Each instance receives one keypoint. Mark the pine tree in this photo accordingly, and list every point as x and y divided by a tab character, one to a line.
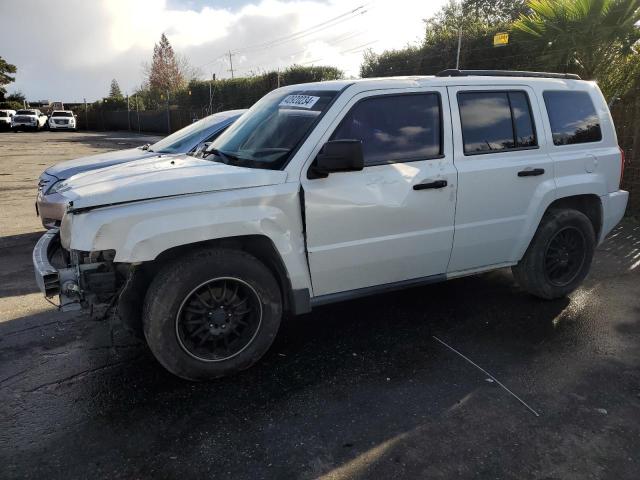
115	91
164	74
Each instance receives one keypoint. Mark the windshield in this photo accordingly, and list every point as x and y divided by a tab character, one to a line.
62	114
26	112
188	137
267	135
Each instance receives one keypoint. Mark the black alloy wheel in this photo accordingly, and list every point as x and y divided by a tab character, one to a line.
218	319
565	256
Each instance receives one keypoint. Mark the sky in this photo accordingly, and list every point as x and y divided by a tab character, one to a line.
68	50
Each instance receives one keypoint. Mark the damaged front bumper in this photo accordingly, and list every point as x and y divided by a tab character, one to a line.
77	284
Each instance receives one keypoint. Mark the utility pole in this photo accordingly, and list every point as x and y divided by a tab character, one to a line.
459	42
278	74
86	115
213	77
137	111
168	115
128	113
231	63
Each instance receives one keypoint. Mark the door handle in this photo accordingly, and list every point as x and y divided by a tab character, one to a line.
428	185
533	172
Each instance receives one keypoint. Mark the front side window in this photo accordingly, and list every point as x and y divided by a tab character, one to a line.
573	117
496	121
395	128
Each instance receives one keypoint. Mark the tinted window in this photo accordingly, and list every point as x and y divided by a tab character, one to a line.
395	128
522	121
495	121
573	117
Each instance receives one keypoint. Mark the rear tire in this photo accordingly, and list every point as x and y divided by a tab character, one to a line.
559	256
211	313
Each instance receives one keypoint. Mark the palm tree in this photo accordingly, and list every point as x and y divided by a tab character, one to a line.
583	36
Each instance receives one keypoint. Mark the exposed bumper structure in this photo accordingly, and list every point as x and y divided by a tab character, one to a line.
52	281
47	276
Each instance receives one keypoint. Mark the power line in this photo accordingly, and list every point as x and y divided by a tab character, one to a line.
354	13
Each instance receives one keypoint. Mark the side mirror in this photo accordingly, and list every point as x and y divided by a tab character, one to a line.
337	156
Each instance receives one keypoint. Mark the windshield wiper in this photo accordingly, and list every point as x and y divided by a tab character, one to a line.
226	157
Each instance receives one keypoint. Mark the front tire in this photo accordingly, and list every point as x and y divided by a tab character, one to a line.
559	256
211	313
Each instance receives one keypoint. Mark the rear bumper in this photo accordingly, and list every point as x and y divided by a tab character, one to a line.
614	205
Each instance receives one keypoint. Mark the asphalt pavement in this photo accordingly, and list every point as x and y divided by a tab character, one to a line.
366	389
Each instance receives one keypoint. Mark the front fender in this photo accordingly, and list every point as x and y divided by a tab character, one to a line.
140	231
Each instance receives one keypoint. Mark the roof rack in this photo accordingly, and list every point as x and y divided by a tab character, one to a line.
452	72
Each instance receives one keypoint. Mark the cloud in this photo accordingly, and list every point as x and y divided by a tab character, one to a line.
70	50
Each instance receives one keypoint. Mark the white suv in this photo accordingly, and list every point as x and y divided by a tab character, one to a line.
30	118
328	191
62	120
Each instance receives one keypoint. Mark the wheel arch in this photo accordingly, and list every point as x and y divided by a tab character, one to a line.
259	246
588	203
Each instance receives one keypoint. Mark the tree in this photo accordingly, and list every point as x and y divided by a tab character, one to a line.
6	69
583	36
164	74
114	91
478	21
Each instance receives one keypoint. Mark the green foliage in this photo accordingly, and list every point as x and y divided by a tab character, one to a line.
114	90
10	105
479	21
594	38
6	70
228	94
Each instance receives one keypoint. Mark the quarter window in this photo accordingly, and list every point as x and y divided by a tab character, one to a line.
496	121
573	117
395	128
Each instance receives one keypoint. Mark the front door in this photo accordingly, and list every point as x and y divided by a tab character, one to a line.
392	221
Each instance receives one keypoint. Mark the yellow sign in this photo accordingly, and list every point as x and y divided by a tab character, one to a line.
500	39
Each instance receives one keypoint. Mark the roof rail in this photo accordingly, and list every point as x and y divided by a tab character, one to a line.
452	72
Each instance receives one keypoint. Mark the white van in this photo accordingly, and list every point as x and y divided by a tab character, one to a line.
328	191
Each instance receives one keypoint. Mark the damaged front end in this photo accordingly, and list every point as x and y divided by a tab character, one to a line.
88	281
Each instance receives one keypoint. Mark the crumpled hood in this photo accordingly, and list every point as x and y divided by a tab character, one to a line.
69	168
166	176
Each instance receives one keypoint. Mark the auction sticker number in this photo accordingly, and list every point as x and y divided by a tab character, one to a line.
303	101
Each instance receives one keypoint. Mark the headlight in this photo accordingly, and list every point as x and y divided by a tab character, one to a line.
65	230
57	185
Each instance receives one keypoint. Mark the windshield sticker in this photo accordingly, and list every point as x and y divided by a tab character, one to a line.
303	101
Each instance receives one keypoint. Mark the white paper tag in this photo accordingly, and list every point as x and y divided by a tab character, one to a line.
302	101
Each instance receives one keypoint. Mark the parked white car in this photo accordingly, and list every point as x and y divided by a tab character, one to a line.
329	191
28	119
62	120
5	119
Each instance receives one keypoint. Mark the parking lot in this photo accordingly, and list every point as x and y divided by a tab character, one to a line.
360	389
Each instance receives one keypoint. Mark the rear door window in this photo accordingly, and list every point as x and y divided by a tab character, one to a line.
573	117
496	121
395	128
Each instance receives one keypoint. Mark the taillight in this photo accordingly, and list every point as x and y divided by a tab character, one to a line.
621	166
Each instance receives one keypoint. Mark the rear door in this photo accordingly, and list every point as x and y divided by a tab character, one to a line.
392	221
503	172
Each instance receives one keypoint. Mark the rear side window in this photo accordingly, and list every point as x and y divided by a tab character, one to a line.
496	121
573	118
395	128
